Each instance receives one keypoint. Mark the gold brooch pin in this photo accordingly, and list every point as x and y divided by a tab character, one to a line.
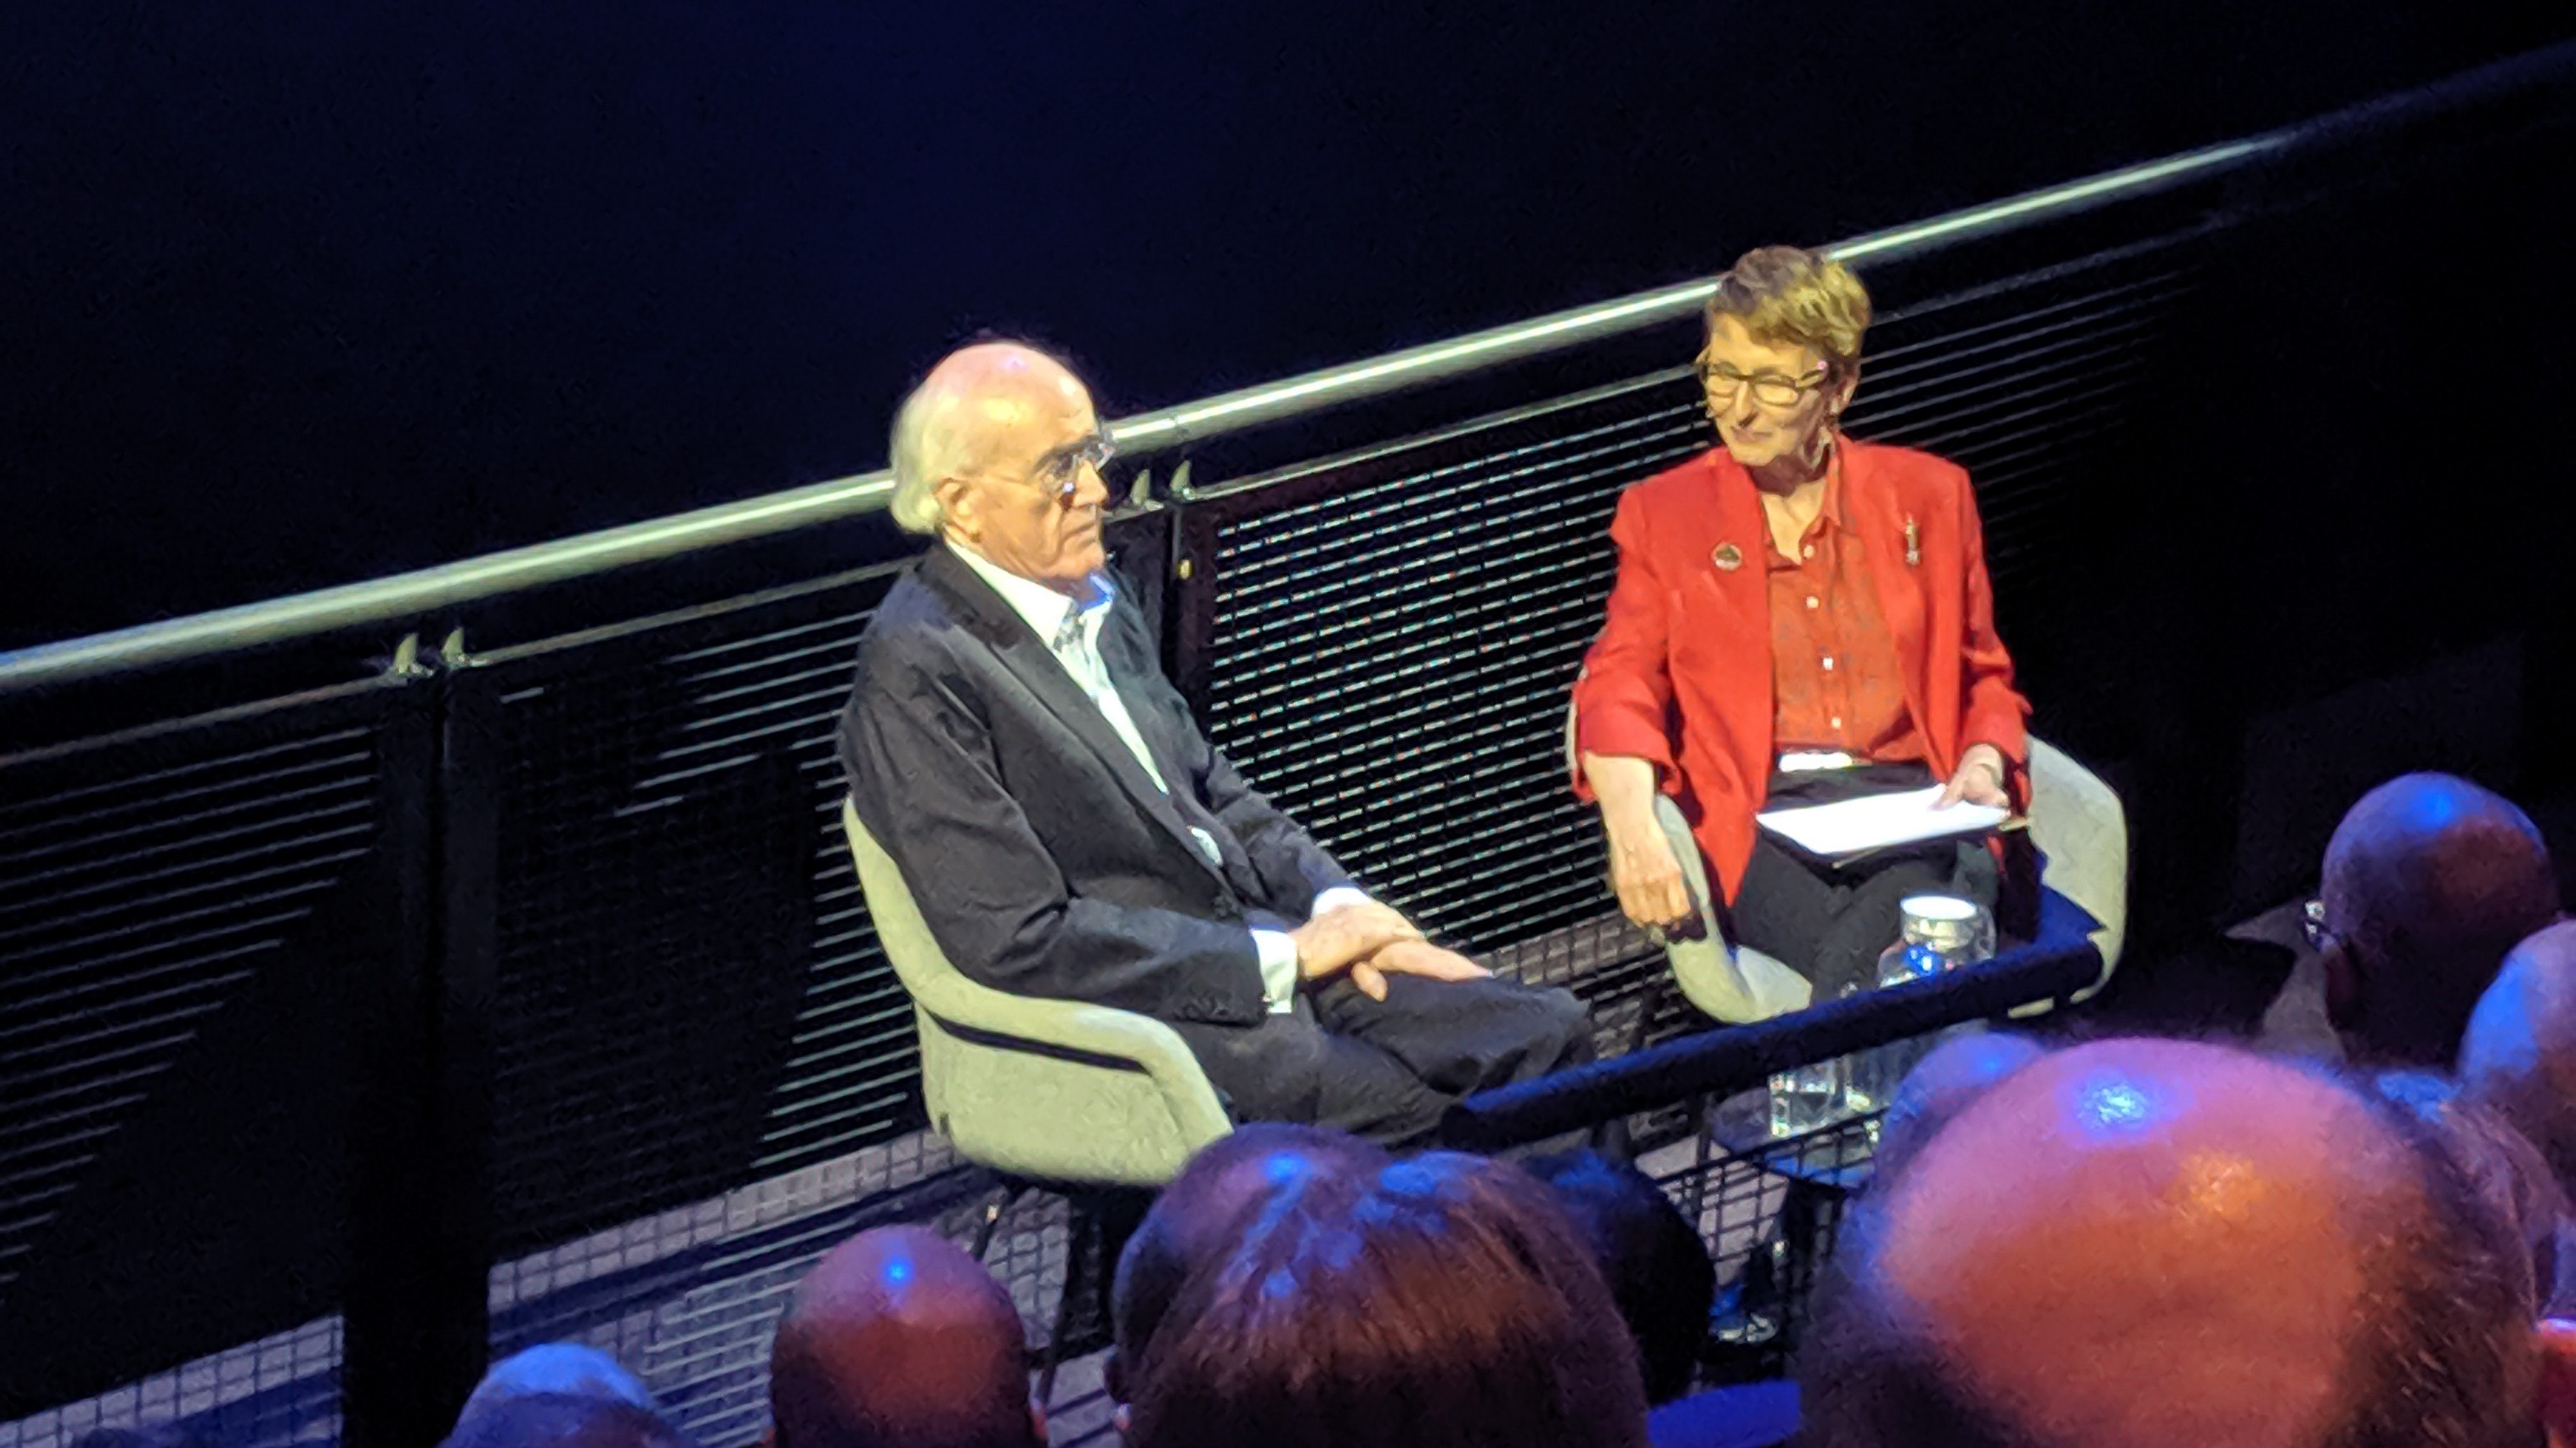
1913	544
1727	557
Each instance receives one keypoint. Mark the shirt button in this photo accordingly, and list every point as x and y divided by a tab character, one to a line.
1810	550
1836	721
1811	602
1829	663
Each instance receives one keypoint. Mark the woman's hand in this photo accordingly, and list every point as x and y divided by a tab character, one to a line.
1647	876
1642	866
1979	779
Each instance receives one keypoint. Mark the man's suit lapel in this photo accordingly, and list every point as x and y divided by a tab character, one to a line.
1027	658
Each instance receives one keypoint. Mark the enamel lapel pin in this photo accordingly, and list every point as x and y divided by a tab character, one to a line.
1727	557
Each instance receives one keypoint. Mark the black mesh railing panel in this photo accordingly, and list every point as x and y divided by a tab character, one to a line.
1771	1214
283	1389
195	921
2033	385
687	993
1390	661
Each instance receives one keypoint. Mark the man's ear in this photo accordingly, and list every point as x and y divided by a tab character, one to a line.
2557	1336
957	505
2343	987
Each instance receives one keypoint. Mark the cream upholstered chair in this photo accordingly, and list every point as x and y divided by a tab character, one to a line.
2076	822
1049	1091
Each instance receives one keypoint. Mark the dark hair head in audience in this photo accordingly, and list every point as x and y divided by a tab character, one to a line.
1200	1213
2428	881
564	1420
2506	1167
2158	1242
899	1339
1655	1265
1447	1303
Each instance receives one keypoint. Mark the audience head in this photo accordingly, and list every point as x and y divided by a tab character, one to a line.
2503	1163
2157	1242
1444	1303
1783	353
2519	1057
1201	1213
568	1368
1950	1075
2428	882
999	449
898	1339
1655	1265
564	1420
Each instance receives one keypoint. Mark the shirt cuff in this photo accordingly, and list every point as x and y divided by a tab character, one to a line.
1278	970
1337	897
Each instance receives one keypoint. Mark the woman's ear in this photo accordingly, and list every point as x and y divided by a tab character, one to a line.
2558	1380
1838	394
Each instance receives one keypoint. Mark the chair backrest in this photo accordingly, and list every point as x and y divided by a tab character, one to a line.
935	985
1048	1090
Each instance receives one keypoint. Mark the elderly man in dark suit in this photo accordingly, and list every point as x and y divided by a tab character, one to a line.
1067	830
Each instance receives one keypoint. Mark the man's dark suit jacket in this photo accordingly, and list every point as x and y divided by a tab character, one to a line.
1043	858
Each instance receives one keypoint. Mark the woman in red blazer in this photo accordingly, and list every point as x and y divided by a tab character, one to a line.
1799	617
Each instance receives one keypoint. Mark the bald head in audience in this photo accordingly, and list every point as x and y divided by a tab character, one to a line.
2158	1243
898	1339
2519	1058
2428	881
569	1368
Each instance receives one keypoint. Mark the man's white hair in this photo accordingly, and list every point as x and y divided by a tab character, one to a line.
926	449
928	443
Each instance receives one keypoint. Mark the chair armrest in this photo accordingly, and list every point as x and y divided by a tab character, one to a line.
1091	1034
2080	827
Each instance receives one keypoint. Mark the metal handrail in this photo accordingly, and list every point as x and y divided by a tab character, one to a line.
406	597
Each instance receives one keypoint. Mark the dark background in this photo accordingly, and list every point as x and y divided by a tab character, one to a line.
298	293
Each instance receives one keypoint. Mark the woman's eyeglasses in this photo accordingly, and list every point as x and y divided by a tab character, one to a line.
1771	389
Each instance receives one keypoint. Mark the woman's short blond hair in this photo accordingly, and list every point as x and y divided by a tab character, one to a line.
1789	297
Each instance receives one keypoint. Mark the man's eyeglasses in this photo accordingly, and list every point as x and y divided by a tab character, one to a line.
1771	389
1060	472
2312	925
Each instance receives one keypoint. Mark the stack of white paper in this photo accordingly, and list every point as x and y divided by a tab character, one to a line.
1876	821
